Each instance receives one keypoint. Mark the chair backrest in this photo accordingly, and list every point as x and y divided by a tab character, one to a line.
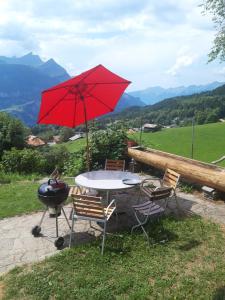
88	206
77	190
115	165
161	193
171	178
55	174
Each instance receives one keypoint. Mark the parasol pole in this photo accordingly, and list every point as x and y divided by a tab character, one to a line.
86	126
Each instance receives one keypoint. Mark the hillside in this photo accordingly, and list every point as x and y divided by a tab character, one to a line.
155	94
209	142
24	78
20	90
206	107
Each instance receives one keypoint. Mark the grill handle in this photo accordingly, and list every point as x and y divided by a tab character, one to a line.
54	180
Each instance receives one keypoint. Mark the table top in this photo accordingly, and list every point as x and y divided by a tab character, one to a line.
106	180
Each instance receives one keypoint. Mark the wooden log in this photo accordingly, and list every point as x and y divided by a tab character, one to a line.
190	169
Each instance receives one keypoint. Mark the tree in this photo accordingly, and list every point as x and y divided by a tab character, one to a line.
217	9
12	133
110	143
66	133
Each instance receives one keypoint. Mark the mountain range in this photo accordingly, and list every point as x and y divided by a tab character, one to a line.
24	78
204	107
155	94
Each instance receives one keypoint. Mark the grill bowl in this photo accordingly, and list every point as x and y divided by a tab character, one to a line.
53	193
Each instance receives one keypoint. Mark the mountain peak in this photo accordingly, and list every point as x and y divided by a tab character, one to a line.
51	61
30	59
52	69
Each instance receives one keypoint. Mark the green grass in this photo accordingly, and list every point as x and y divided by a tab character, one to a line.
189	265
13	177
17	198
74	146
209	141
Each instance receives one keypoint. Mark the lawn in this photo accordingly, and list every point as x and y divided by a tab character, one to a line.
74	146
186	263
19	197
209	141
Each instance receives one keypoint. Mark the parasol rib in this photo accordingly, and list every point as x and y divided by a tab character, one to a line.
75	110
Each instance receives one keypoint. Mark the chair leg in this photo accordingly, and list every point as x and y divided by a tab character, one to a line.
166	203
71	232
140	224
139	196
103	238
177	204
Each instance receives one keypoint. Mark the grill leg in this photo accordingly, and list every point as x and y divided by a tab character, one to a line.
71	232
42	218
66	218
56	223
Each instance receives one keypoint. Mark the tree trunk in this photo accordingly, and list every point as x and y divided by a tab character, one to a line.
193	170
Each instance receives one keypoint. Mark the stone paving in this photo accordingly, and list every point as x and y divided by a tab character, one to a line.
18	246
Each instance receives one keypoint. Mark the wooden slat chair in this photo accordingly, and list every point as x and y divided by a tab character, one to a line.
170	180
144	211
77	190
115	165
90	208
74	189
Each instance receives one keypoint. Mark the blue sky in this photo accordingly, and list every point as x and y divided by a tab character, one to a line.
148	42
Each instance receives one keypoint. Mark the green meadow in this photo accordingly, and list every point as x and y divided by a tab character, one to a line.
209	141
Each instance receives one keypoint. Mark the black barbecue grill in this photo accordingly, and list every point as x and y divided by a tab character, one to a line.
53	194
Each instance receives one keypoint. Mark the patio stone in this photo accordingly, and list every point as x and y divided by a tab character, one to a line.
18	246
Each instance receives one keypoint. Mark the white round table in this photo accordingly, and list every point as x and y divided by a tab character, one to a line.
105	180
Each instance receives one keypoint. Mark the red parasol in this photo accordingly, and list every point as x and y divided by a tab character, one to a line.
82	98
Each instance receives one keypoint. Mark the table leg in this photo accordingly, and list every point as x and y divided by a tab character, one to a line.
107	196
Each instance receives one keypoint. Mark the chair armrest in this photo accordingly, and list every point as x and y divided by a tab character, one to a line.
148	180
110	204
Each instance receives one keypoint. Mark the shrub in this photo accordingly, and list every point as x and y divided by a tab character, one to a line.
12	133
55	156
24	161
110	143
75	164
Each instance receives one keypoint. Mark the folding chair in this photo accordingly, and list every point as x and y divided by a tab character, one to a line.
115	165
170	180
144	211
90	208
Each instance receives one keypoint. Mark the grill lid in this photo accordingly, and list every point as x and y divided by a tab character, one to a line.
53	188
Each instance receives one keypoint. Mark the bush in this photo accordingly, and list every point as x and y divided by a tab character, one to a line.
12	133
75	164
110	143
54	156
24	161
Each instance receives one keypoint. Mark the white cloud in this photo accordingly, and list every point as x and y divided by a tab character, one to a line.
181	62
136	39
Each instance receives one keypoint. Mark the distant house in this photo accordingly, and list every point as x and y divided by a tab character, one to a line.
151	127
56	139
35	141
131	131
76	136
